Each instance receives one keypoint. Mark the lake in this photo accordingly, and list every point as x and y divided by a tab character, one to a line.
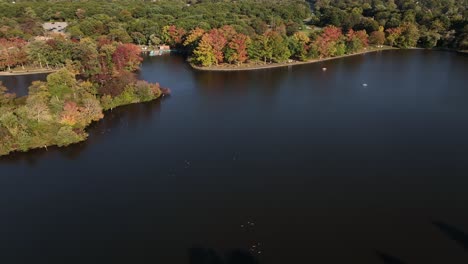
366	162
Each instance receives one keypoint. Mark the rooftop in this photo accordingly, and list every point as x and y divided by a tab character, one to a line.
57	27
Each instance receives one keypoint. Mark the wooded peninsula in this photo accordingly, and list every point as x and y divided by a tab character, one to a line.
94	47
56	112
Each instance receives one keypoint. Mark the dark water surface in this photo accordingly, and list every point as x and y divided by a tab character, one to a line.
308	166
19	84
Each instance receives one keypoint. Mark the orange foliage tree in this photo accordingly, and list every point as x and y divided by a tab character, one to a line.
237	51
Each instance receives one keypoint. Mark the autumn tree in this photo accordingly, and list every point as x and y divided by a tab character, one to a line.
237	49
193	38
330	42
70	114
92	109
228	31
115	85
204	54
173	35
127	57
299	46
393	35
105	52
377	37
12	53
356	40
217	41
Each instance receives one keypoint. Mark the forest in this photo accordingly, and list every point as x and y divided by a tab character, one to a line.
251	30
439	23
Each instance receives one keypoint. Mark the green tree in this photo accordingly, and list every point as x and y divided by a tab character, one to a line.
299	46
121	35
409	36
61	84
204	53
6	98
66	136
280	50
86	53
261	49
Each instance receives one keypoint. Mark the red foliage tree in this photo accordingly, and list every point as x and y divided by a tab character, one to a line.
127	57
116	84
217	41
12	52
328	40
175	35
228	32
360	35
103	40
393	34
331	33
238	44
70	114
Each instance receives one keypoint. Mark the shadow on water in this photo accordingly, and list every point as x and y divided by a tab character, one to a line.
122	117
388	259
453	233
199	255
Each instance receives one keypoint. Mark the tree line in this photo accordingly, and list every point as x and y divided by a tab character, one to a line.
225	45
437	23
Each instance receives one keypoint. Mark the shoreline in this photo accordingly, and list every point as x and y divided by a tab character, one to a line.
27	72
104	114
283	64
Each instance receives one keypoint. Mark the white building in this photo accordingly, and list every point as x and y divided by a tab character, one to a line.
55	27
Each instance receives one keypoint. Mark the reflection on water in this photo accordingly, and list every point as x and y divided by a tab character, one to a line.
241	82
